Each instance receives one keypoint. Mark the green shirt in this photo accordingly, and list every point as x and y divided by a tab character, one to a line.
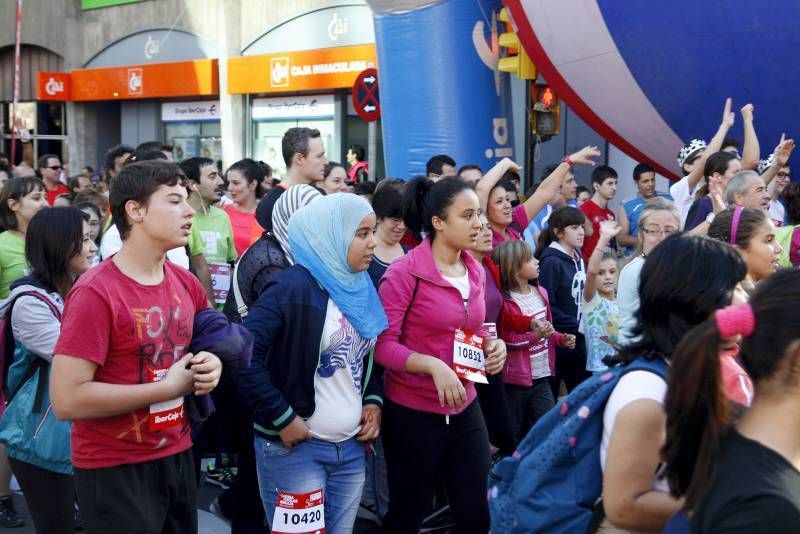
212	237
13	264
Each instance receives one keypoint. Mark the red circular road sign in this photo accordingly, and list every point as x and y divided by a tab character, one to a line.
365	95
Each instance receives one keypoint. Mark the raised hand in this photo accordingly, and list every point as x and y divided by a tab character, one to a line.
728	116
747	112
783	151
609	229
584	156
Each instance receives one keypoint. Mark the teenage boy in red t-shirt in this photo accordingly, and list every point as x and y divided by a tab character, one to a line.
121	368
604	182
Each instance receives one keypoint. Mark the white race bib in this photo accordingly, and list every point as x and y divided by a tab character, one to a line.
468	356
220	281
299	513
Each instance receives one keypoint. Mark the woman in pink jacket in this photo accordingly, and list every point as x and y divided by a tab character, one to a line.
434	299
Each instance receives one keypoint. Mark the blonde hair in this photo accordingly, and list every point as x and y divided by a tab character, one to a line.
651	207
510	256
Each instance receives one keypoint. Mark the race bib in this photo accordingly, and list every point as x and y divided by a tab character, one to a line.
220	281
299	513
468	356
164	414
540	352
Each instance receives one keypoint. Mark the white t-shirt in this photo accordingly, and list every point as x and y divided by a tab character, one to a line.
337	382
682	197
111	243
777	212
628	300
636	385
531	304
461	283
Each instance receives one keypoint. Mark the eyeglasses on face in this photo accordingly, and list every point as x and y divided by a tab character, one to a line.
784	175
666	232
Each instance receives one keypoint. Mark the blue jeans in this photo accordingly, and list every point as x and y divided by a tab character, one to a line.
336	468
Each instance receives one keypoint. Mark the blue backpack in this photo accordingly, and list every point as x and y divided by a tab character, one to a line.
553	480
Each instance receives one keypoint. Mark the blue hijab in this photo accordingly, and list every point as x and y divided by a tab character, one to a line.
320	235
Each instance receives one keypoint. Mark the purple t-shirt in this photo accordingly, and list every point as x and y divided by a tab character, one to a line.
493	298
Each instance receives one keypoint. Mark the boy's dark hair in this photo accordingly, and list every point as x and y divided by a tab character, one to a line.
266	168
137	182
15	189
252	171
115	152
150	146
358	151
191	167
601	173
582	189
54	236
435	164
295	141
145	155
640	169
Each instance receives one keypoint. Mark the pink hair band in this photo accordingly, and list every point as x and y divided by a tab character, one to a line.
735	320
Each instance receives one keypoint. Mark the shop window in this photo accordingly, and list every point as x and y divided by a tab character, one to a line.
194	139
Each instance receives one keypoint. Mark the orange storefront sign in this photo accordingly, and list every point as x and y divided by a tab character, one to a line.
183	78
327	68
53	85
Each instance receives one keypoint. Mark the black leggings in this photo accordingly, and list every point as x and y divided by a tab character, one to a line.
50	497
497	414
527	404
423	448
570	366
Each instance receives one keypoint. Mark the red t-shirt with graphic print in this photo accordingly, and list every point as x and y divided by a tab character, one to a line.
134	333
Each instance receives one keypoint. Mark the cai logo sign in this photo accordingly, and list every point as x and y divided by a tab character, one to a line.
54	87
279	72
135	82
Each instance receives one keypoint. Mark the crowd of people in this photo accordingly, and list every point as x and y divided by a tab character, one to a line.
322	345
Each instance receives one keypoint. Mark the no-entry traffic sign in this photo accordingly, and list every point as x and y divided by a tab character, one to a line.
365	95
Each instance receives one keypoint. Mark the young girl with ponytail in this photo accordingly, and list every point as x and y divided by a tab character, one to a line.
743	477
433	429
563	274
531	351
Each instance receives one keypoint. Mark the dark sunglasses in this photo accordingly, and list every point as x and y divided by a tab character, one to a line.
55	168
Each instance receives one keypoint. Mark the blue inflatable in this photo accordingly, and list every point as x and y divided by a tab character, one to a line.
649	76
441	92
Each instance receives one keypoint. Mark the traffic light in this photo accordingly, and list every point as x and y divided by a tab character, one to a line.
516	60
545	111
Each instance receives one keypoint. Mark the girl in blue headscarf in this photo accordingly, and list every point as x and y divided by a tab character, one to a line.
311	384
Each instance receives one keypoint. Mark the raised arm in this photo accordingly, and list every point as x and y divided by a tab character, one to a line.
751	152
490	179
552	184
608	231
780	158
728	118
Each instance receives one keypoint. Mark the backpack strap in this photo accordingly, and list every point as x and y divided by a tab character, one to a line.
37	363
654	365
241	307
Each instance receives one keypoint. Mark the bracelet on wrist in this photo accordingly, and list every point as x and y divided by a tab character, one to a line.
568	161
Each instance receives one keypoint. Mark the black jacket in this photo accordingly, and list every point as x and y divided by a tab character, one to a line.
287	323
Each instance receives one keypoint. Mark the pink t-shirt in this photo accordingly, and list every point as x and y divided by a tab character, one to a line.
246	230
519	218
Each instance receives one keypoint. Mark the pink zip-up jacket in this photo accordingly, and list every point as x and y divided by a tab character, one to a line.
517	370
425	326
